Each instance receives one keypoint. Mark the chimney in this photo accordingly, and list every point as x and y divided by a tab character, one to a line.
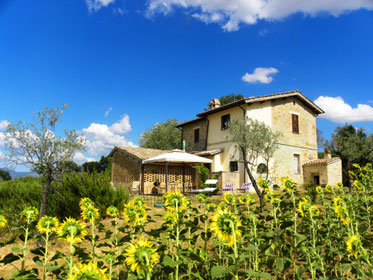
327	154
215	103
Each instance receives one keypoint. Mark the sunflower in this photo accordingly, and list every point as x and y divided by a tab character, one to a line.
353	245
201	197
358	185
139	202
72	231
314	211
263	184
269	195
88	271
319	189
339	184
343	214
222	206
329	188
221	226
176	199
288	184
85	202
244	199
211	207
229	198
356	165
141	256
276	201
3	221
112	211
89	213
47	224
170	219
134	215
338	202
30	214
351	173
303	206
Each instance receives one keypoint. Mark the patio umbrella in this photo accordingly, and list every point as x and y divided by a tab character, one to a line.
176	156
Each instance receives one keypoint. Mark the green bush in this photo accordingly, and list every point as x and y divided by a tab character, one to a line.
17	194
64	197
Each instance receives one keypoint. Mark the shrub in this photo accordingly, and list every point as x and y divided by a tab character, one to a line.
63	200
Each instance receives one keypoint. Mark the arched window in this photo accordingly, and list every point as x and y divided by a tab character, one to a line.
262	168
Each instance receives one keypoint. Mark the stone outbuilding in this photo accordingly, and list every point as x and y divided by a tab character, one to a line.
327	170
128	170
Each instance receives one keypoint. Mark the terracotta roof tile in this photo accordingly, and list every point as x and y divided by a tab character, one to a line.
321	161
140	153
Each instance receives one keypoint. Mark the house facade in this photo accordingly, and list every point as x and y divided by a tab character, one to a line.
290	113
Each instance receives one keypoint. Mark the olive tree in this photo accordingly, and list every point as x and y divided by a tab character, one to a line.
253	140
36	146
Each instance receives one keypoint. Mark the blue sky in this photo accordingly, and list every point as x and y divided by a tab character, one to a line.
123	65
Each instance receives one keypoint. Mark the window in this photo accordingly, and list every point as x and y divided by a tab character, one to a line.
295	123
225	121
196	135
233	166
262	168
296	164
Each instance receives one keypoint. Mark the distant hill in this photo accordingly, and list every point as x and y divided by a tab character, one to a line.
17	174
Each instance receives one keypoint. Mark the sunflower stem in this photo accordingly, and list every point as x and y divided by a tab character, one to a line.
45	254
235	250
93	239
177	242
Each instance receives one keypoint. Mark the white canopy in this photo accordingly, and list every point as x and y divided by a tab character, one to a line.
177	156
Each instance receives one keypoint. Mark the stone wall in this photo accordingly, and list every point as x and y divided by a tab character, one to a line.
188	136
316	170
125	169
282	110
335	172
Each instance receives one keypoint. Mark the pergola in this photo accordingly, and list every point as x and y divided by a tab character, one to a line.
175	156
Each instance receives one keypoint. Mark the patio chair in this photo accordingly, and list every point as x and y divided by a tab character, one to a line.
227	188
134	188
245	187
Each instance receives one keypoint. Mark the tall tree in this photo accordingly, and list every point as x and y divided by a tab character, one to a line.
352	146
164	136
253	140
98	166
36	146
230	98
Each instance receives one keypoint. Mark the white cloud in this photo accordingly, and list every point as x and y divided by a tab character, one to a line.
100	138
80	158
231	13
3	124
95	5
260	75
107	112
337	110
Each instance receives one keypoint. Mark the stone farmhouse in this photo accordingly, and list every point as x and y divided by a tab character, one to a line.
290	113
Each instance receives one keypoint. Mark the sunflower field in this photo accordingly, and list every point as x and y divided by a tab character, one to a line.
294	236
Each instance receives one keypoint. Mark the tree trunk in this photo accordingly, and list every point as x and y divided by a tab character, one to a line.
253	181
43	205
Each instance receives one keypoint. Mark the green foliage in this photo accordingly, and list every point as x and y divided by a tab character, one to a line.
4	175
97	186
203	172
310	189
230	98
99	166
164	136
352	146
64	197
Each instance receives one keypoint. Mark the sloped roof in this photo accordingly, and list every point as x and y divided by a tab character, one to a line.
140	153
207	153
321	161
261	98
188	122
